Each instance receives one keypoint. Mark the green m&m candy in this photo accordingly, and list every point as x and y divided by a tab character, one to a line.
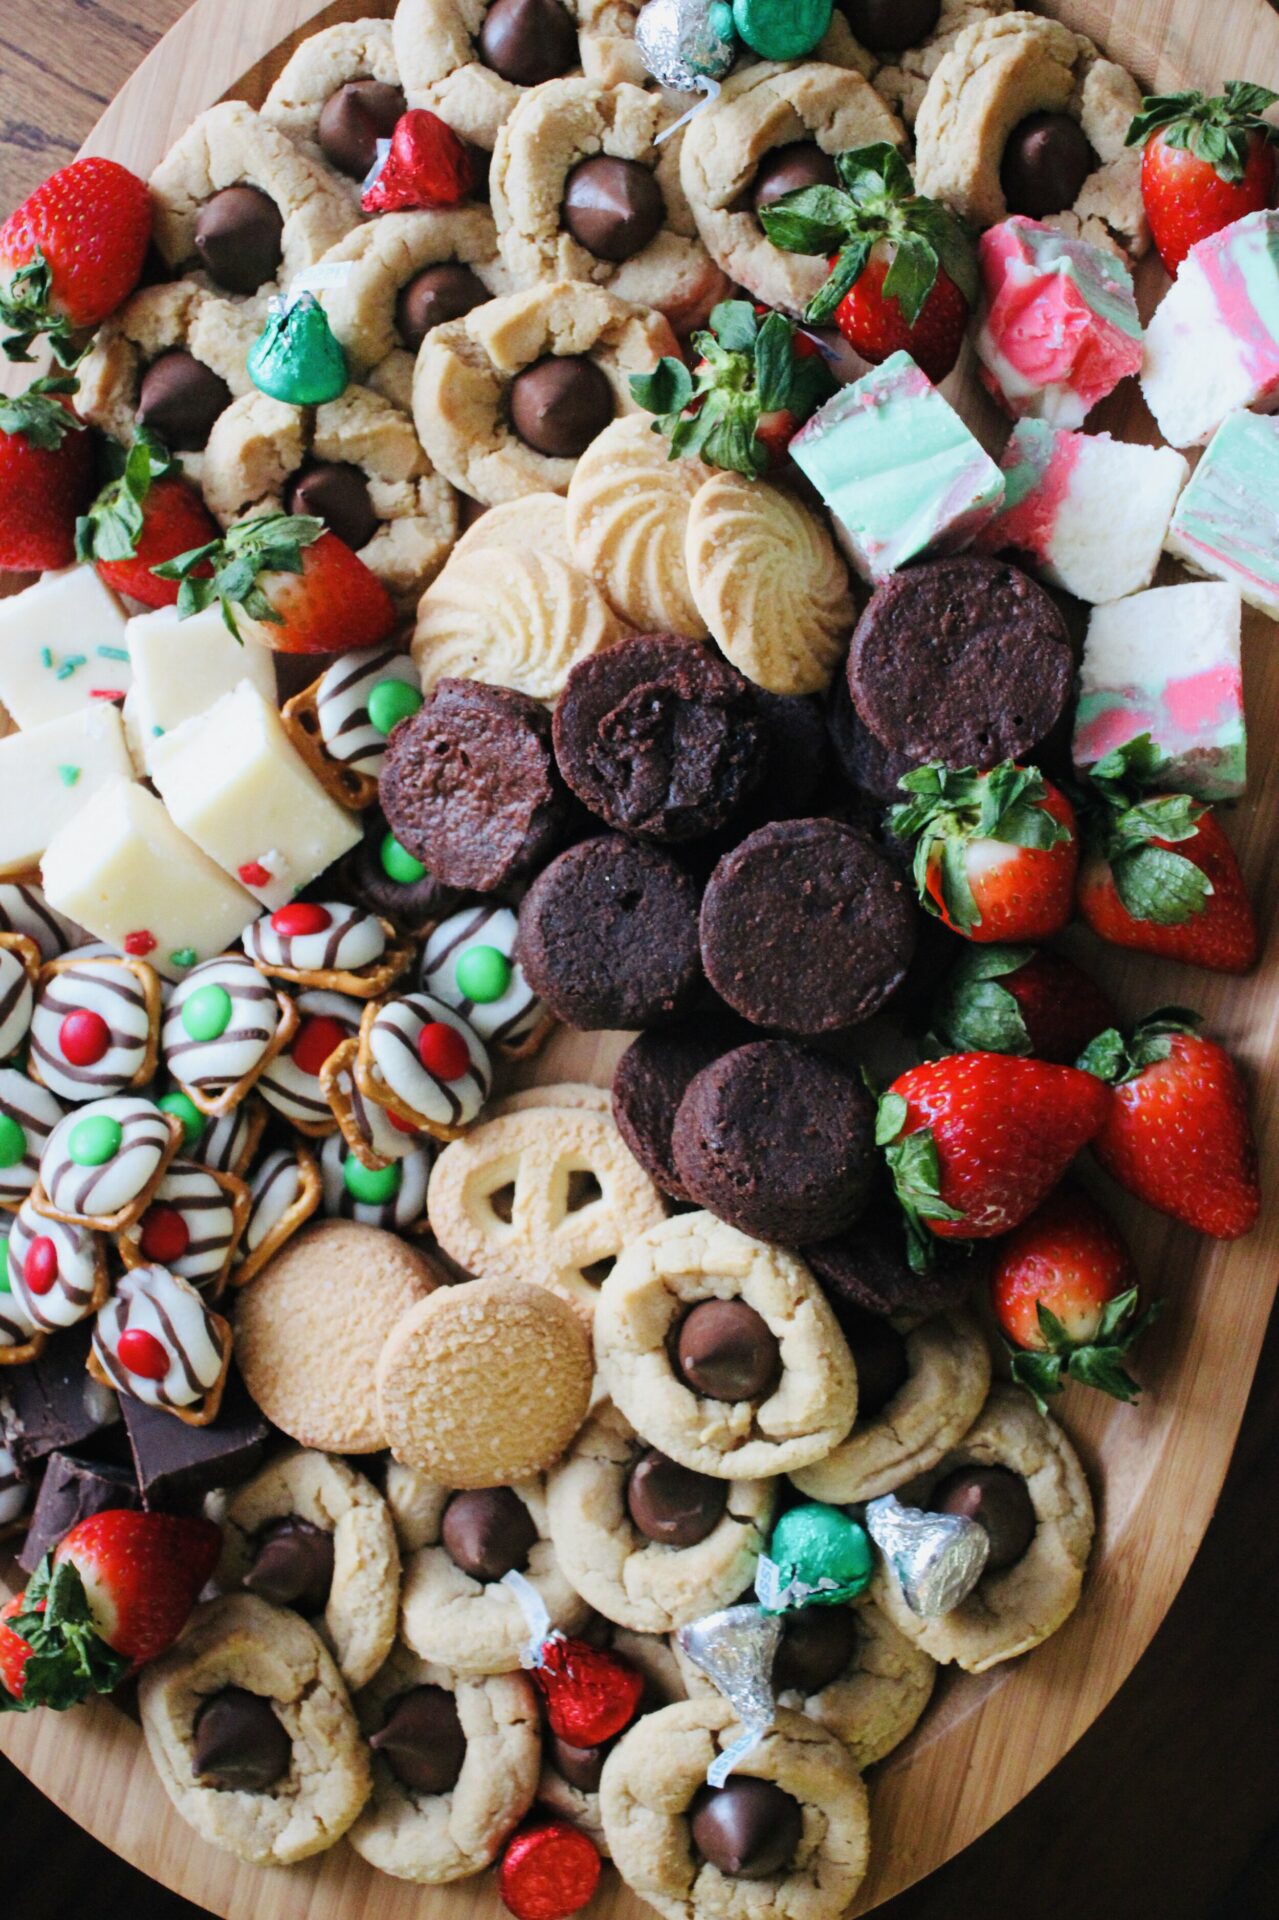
398	863
206	1015
781	29
13	1141
391	701
483	975
183	1108
95	1140
370	1188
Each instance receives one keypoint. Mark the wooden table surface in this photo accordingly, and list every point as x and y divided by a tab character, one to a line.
1169	1807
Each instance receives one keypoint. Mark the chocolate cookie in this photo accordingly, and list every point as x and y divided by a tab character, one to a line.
806	926
965	660
659	737
469	785
777	1141
608	935
866	1268
650	1080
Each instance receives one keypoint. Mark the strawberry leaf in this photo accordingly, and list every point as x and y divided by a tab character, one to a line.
734	325
1039	1373
38	417
27	313
890	1119
112	527
1218	130
810	220
69	1658
273	543
951	808
665	391
1113	1059
1163	888
774	364
849	266
916	1174
974	1014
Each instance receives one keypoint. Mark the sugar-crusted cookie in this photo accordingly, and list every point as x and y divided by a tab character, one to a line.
485	1383
628	508
240	1645
904	76
310	1329
523	624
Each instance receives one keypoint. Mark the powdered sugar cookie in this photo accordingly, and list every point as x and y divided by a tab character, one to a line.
102	1163
628	508
424	1063
95	1027
157	1341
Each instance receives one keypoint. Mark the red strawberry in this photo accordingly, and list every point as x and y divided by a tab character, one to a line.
46	477
1159	873
145	515
903	268
976	1140
305	590
755	384
1205	163
1064	1290
14	1653
1018	1000
71	254
995	854
1177	1133
116	1592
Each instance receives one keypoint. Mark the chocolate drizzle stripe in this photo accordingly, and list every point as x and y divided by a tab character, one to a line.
453	1104
13	997
180	1353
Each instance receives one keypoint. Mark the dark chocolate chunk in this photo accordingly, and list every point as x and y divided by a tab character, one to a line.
778	1141
421	1740
800	163
608	935
868	1269
879	1354
818	1644
469	785
292	1565
337	493
582	1767
176	1463
488	1533
672	1504
386	878
70	1492
649	1082
179	399
890	26
51	1405
748	1828
440	293
1046	161
998	1500
727	1351
241	1746
354	119
239	236
528	41
559	404
612	207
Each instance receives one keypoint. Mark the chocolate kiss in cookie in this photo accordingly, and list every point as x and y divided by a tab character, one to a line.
879	1354
488	1533
727	1351
528	41
559	404
998	1500
817	1645
612	207
672	1505
337	493
422	1741
801	163
890	26
239	236
1046	161
180	398
440	293
582	1767
354	119
293	1565
240	1745
749	1828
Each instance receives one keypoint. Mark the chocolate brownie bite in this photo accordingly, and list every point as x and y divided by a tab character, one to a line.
777	1141
650	1080
659	737
608	935
965	660
470	788
807	927
867	1270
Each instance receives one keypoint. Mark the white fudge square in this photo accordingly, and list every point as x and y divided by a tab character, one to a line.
180	668
123	870
1227	521
61	647
234	782
1213	344
48	773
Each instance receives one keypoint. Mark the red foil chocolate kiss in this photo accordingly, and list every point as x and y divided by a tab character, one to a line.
590	1694
427	166
548	1871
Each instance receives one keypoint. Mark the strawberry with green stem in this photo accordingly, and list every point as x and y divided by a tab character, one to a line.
46	476
756	381
1205	163
1158	873
995	853
1023	1000
70	255
146	514
903	268
1064	1291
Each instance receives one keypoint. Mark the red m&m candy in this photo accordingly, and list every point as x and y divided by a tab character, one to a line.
318	1036
300	917
84	1038
40	1268
443	1050
141	1353
165	1235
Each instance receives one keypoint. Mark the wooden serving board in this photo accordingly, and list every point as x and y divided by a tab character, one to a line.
1157	1469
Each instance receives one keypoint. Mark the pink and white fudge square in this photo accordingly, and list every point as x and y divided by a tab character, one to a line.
1059	327
1213	344
1091	511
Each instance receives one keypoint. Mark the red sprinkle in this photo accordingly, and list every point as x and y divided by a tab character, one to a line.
548	1872
300	917
318	1036
443	1051
106	693
84	1038
141	1353
165	1235
254	874
40	1268
139	943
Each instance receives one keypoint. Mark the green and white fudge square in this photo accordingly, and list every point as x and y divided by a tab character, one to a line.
1227	521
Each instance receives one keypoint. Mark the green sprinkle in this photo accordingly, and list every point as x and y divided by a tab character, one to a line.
112	653
46	657
69	775
182	957
156	732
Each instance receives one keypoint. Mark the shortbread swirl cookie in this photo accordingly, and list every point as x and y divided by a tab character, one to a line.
291	1084
102	1163
337	96
904	76
158	1342
473	74
28	1115
94	1027
222	1027
293	213
193	1226
995	76
759	109
523	623
769	582
535	522
57	1273
424	1063
283	1194
17	994
628	508
469	962
393	1197
567	146
542	1194
477	376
